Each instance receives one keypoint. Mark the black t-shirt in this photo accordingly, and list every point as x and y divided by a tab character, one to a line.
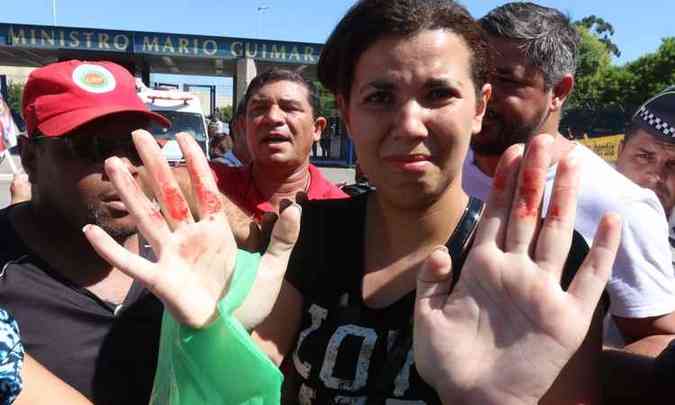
108	354
345	350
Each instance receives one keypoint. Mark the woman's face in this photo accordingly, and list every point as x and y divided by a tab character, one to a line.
411	113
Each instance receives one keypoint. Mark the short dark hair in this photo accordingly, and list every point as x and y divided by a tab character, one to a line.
369	20
546	35
239	111
282	75
630	130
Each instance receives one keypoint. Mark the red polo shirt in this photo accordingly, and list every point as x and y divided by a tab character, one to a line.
237	183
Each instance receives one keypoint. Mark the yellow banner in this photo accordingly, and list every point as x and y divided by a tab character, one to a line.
607	147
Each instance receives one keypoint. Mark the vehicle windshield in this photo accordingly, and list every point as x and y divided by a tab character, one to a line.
181	121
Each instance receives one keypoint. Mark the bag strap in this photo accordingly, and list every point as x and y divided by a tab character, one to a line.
457	245
462	236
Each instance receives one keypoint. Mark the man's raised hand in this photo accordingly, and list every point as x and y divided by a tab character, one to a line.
195	259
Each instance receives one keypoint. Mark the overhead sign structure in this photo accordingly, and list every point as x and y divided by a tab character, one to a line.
45	37
162	44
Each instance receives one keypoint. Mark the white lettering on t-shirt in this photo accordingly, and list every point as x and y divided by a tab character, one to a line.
318	315
306	395
402	381
363	362
350	400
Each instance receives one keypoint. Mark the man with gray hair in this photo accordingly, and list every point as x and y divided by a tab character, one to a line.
535	57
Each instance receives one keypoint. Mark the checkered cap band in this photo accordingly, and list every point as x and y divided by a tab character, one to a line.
656	122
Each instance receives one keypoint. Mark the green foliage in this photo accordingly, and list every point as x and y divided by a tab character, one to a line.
603	31
605	95
593	63
652	72
224	114
327	105
14	95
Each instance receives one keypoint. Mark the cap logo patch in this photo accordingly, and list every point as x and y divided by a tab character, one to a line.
94	78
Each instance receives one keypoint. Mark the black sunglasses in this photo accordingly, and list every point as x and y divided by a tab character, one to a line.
96	148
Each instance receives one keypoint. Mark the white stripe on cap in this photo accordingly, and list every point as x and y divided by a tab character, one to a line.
655	122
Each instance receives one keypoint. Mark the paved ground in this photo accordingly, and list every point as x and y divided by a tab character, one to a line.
338	175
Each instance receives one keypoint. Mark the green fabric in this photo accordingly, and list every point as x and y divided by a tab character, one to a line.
219	364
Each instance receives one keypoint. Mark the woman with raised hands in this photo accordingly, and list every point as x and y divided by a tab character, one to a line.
411	78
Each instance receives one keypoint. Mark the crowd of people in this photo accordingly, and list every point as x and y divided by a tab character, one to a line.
477	269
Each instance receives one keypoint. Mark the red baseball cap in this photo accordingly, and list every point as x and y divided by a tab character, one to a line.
63	96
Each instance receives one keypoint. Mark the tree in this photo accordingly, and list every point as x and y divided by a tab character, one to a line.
224	114
591	106
593	63
327	105
15	95
652	72
606	95
602	29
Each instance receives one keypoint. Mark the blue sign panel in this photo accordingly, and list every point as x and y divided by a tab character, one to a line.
226	48
31	36
174	45
3	34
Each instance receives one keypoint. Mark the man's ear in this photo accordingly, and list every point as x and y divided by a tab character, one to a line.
28	153
320	124
561	91
481	107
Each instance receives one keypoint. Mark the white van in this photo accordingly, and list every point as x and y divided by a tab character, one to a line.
185	113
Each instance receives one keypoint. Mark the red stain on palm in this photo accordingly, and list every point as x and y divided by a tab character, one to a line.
175	203
529	194
209	200
192	252
206	198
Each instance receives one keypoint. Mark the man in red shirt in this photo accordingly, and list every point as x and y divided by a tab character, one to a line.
281	125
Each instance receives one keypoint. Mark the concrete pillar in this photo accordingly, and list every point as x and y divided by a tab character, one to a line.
142	71
245	72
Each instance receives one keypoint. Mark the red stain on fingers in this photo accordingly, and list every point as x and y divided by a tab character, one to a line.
500	181
555	211
205	197
529	193
176	205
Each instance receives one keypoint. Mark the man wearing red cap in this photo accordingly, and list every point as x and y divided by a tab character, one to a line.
84	320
